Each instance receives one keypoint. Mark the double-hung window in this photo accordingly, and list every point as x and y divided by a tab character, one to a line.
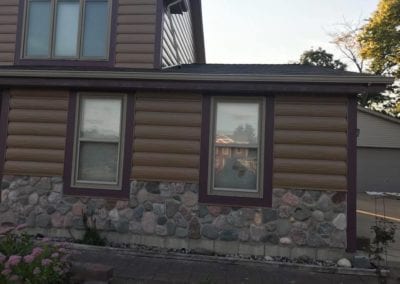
67	29
236	147
99	143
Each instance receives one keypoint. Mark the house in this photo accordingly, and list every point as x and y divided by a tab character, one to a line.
108	108
378	152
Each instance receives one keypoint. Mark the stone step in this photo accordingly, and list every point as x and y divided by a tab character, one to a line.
84	272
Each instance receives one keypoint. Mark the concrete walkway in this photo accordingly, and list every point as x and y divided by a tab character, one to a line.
142	268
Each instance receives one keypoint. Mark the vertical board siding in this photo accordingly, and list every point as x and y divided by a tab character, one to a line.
36	132
167	137
310	142
178	43
8	30
136	32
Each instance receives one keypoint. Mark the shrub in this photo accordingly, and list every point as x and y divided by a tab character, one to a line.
23	262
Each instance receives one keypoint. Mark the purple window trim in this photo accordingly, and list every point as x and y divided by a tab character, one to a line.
5	108
127	158
158	49
204	197
352	175
18	60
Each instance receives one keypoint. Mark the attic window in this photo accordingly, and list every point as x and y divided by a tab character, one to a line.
177	8
67	29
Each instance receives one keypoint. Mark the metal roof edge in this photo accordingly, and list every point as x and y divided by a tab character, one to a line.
378	114
174	76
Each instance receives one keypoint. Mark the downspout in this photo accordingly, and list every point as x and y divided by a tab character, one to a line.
178	57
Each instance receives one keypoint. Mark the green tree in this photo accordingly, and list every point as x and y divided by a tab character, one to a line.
380	39
320	57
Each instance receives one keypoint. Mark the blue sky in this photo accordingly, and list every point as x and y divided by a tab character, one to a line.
266	31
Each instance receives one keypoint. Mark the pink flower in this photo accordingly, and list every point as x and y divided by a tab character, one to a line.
46	240
36	271
14	260
37	251
46	262
55	255
62	250
6	272
29	258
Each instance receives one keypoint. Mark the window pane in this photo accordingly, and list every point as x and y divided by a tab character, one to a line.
237	123
98	162
67	28
96	29
101	118
236	151
38	33
235	168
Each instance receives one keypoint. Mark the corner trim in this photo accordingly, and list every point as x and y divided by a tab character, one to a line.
352	175
158	50
5	108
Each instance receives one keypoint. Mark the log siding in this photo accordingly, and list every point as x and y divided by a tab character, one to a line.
36	132
167	137
310	142
8	30
136	33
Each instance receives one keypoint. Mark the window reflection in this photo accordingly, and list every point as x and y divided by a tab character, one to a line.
236	146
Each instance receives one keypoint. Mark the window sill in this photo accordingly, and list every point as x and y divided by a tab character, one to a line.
97	193
65	62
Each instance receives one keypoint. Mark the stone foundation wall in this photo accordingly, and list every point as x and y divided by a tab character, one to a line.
299	220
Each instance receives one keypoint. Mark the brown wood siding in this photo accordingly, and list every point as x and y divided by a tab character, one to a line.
36	132
8	30
167	137
178	44
310	141
136	31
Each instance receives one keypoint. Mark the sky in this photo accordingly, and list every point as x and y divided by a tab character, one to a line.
270	32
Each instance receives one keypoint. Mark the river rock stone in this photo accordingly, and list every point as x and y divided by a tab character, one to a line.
43	220
244	235
285	241
291	199
324	203
301	213
318	215
283	227
171	207
194	229
340	222
135	227
214	210
152	187
298	236
325	229
171	227
257	233
149	222
114	215
181	232
162	220
180	221
159	209
189	199
229	235
269	215
33	198
138	213
344	262
210	232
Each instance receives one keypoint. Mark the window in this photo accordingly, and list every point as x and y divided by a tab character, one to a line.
236	147
67	29
98	149
236	160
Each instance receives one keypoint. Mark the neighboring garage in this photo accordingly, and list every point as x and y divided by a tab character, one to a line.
378	150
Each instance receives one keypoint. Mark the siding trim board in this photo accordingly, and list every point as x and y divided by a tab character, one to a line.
204	197
4	109
352	175
127	158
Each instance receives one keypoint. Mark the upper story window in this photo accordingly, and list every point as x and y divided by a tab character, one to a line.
67	29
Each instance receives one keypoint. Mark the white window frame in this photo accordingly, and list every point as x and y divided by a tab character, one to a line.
258	193
52	35
75	182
